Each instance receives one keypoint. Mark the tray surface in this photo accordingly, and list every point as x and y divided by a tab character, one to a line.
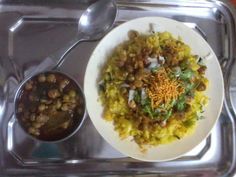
31	32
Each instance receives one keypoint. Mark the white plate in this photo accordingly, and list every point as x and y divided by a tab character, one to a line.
215	91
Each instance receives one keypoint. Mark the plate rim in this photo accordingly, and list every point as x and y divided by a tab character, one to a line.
156	18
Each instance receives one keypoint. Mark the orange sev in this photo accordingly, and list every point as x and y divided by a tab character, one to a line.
162	89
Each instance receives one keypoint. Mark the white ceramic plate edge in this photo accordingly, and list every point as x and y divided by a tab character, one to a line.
106	127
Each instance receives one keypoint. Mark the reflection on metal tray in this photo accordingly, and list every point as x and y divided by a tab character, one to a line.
31	32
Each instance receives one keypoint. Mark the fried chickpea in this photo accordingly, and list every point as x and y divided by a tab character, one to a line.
51	78
32	130
36	125
41	78
58	104
73	100
37	133
29	85
54	93
42	118
66	98
32	117
131	78
41	107
138	83
72	93
65	125
201	87
202	70
132	104
63	84
64	107
20	108
71	106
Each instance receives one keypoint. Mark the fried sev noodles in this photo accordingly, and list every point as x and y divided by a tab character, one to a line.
162	89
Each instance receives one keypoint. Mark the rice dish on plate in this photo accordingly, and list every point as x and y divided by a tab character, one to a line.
153	88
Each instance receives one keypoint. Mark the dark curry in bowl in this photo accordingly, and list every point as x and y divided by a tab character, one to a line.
50	106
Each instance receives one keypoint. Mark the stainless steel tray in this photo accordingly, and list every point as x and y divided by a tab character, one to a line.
32	30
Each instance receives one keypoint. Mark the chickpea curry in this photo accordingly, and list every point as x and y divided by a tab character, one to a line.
50	106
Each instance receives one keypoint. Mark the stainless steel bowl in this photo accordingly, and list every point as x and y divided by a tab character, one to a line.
78	123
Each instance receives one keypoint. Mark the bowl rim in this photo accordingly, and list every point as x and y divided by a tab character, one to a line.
16	97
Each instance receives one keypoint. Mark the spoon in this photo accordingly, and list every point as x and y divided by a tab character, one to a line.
93	25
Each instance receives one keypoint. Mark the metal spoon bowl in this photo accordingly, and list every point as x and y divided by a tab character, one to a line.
93	24
97	19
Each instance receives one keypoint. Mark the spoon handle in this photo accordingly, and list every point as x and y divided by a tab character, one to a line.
59	56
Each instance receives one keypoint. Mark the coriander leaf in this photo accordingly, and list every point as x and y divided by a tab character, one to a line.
180	103
154	69
190	93
137	97
189	123
146	101
200	62
167	115
186	74
184	64
200	117
173	102
180	106
189	86
147	109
